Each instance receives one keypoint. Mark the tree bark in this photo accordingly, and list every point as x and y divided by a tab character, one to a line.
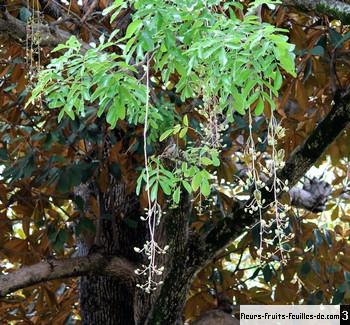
217	317
70	267
169	300
107	300
331	8
17	30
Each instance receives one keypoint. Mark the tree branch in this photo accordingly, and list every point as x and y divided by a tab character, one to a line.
64	268
16	29
332	8
90	10
296	166
201	249
52	36
216	316
313	196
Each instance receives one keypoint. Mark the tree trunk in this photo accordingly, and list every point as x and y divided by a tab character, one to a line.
105	301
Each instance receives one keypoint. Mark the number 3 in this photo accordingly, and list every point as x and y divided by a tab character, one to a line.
345	315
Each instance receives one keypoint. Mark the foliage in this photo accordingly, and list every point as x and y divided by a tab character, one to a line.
209	51
199	59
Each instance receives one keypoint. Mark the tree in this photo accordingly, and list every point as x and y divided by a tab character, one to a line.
112	111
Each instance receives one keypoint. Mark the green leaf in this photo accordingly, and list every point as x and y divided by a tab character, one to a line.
3	154
259	107
278	80
165	187
317	50
196	181
347	276
121	110
152	180
139	184
338	297
187	186
154	192
176	195
132	28
117	11
250	84
166	134
183	132
215	158
185	120
112	117
61	239
177	128
305	268
70	113
116	112
344	38
186	92
205	187
222	56
85	224
59	47
239	101
147	40
114	6
206	161
267	273
286	60
335	37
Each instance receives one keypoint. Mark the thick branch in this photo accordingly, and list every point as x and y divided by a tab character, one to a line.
89	11
216	316
14	28
64	268
166	307
313	196
52	36
332	8
296	166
